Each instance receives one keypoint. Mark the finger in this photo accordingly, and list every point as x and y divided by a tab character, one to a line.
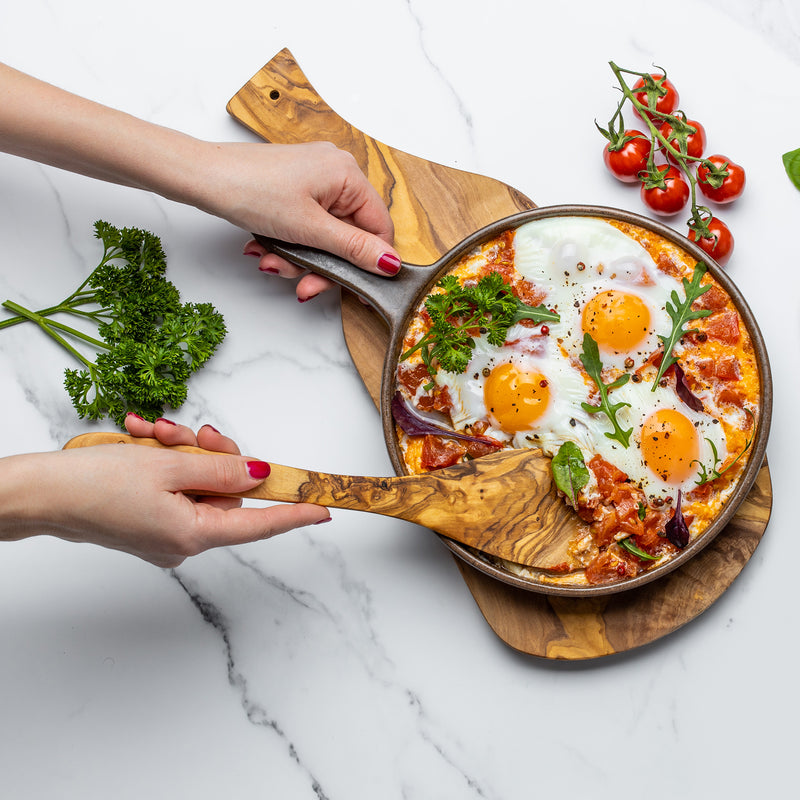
201	474
209	438
310	285
365	209
171	433
272	264
137	426
359	247
241	525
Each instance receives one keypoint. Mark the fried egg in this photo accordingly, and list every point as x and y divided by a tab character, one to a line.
523	386
600	282
669	441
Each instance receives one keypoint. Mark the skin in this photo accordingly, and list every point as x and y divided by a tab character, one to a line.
145	507
141	500
312	194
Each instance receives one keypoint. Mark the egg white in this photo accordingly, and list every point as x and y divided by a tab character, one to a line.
643	402
529	353
577	258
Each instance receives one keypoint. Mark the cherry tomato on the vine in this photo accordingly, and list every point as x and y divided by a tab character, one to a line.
670	198
695	142
731	188
720	245
666	103
628	161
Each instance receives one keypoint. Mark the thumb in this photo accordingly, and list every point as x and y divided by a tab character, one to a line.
224	474
354	244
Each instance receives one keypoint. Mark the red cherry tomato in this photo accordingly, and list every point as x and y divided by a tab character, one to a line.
628	161
695	142
731	187
667	100
670	198
719	245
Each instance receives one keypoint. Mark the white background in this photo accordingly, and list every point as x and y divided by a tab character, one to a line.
350	661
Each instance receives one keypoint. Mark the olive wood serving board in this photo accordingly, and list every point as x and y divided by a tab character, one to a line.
433	208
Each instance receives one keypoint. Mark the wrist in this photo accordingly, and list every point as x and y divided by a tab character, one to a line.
19	491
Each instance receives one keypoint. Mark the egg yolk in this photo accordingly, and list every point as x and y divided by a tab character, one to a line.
514	398
616	320
669	445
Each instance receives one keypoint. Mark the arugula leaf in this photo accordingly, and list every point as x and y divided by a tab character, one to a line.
681	313
705	475
459	312
569	471
791	163
590	358
636	550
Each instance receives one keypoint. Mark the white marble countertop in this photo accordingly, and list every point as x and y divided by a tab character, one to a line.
350	661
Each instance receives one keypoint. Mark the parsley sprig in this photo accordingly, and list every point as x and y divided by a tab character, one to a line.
459	313
590	358
680	313
149	342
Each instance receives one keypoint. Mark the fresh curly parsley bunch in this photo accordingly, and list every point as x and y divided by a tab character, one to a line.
149	342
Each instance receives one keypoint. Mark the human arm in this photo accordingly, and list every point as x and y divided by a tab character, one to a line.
135	499
312	194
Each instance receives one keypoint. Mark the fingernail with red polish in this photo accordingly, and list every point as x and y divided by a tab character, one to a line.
252	251
168	421
306	299
319	522
133	414
389	264
258	469
271	270
211	426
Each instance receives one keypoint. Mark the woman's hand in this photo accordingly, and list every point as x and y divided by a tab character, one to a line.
137	499
312	194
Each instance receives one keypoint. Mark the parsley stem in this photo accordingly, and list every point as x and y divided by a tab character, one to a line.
45	325
48	324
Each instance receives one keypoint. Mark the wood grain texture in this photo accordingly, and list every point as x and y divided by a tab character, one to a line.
433	208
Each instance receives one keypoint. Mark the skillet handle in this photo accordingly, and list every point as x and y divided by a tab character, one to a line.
390	296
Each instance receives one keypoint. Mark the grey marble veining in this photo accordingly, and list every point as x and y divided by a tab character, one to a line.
350	660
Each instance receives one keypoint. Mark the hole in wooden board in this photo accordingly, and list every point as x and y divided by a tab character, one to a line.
274	94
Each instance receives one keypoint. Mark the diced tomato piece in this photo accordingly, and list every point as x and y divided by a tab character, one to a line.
726	368
668	265
723	326
610	566
438	452
529	293
438	399
731	397
412	376
604	525
606	474
714	299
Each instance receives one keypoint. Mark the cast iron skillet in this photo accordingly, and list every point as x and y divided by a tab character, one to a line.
395	299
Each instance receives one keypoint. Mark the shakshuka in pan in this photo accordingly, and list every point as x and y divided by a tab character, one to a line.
613	351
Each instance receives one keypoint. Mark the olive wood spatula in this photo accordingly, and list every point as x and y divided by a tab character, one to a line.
503	504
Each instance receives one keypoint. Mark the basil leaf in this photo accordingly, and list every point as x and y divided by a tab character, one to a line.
791	163
569	471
